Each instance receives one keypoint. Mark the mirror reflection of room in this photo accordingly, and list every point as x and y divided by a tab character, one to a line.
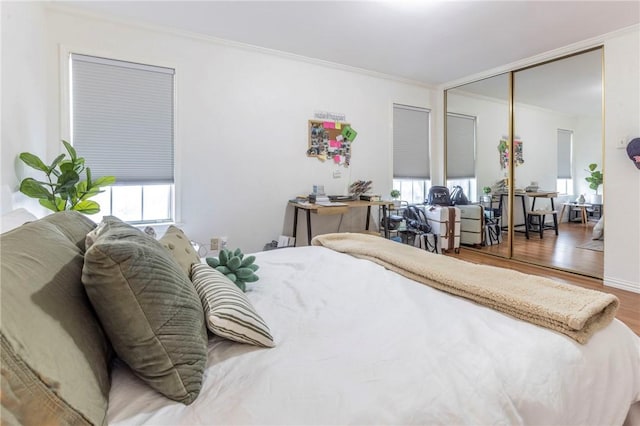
477	120
557	203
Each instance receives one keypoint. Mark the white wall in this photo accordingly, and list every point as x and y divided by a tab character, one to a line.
587	149
241	130
621	177
236	104
24	114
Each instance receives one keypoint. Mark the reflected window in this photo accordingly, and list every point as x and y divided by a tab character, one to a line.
469	187
461	154
564	183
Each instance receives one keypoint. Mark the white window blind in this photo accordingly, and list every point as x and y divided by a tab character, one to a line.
122	119
461	146
410	142
564	153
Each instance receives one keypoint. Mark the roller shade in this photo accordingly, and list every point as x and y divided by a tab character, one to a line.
122	119
410	142
461	146
564	153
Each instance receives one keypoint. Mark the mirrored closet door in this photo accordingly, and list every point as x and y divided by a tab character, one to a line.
556	137
477	123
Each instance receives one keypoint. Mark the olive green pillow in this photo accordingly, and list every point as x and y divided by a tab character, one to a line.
148	308
55	356
180	247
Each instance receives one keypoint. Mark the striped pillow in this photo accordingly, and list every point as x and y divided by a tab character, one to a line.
227	310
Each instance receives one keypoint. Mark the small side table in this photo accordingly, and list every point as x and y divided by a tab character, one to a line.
579	207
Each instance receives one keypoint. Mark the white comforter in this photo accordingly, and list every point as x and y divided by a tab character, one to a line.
357	344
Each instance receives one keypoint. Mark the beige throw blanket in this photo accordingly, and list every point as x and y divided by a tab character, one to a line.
571	310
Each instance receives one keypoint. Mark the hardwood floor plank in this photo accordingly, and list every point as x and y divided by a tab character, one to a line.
628	312
559	251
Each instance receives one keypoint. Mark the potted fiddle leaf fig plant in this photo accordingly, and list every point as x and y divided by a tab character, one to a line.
65	187
595	179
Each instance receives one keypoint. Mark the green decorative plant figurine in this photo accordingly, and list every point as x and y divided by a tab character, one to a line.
486	190
395	194
235	266
64	189
596	178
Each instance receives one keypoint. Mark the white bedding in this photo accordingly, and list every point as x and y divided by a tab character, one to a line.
357	344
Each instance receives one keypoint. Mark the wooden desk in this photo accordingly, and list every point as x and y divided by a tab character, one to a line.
330	210
535	195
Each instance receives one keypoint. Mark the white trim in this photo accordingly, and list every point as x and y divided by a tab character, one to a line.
621	284
235	44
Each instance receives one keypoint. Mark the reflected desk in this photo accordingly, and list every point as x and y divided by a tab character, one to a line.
583	209
522	195
340	208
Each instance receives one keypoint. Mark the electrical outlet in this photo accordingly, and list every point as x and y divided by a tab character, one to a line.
215	243
622	143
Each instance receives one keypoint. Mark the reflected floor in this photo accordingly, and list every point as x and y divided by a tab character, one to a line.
559	251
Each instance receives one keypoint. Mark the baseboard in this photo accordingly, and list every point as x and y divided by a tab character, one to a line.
622	285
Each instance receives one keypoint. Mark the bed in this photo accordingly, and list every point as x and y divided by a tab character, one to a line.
360	337
359	344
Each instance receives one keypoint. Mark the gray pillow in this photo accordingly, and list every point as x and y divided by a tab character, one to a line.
180	247
55	356
148	308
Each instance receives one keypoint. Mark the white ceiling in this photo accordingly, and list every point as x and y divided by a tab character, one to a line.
427	41
433	42
571	85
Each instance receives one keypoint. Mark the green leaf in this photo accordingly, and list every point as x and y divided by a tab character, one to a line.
34	161
223	269
232	277
103	181
243	273
88	194
88	182
234	263
67	180
81	187
592	166
66	166
87	207
253	267
78	165
58	206
34	189
241	285
248	261
70	150
224	257
252	278
55	162
213	262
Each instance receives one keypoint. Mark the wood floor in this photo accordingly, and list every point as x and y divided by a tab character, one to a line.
629	311
559	251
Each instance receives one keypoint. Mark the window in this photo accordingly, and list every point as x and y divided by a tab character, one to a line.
122	123
411	172
461	169
564	183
